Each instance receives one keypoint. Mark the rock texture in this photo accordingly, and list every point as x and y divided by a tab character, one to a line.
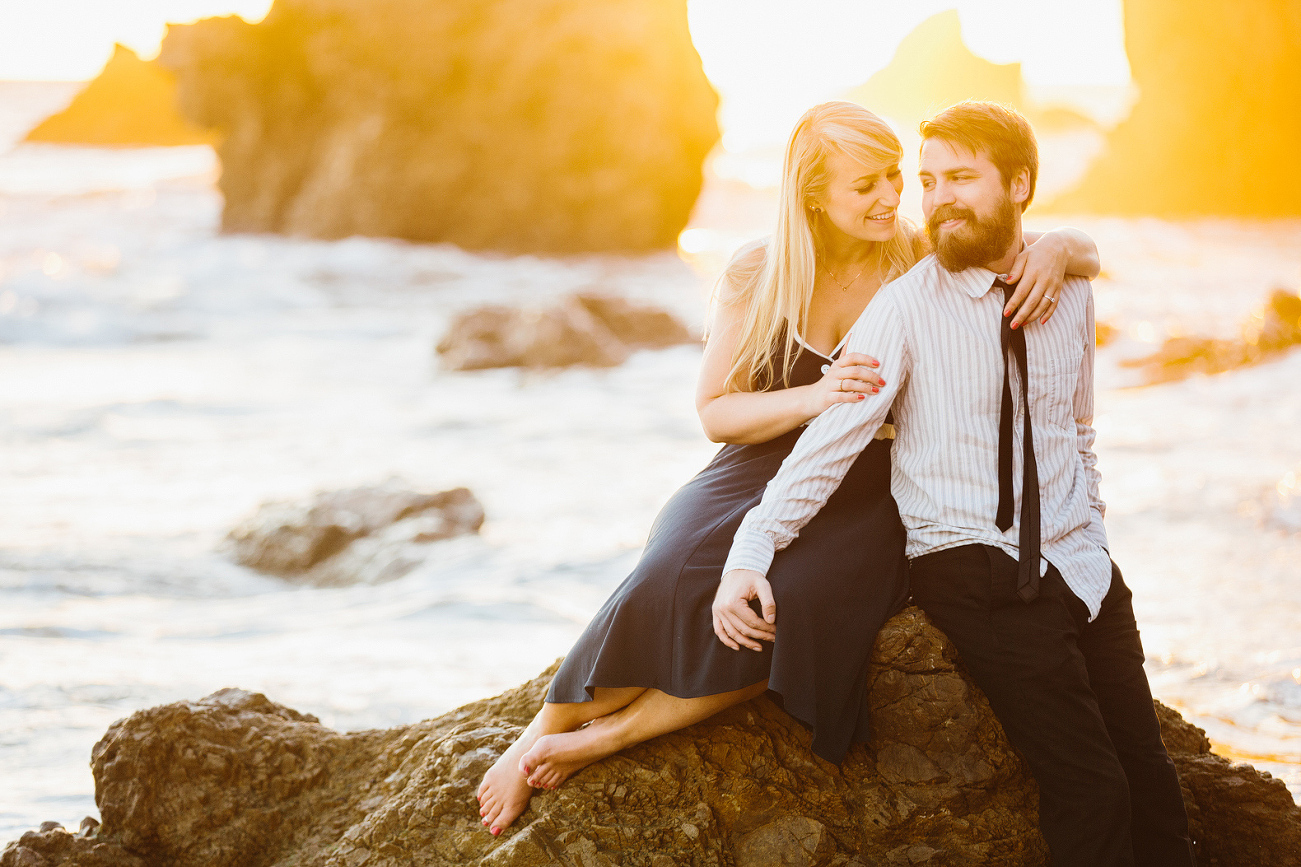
520	125
1273	330
52	845
360	535
1218	99
234	780
130	102
585	329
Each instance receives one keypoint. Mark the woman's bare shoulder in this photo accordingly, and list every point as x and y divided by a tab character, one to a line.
742	270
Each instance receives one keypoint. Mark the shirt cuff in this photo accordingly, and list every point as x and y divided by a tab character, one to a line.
753	550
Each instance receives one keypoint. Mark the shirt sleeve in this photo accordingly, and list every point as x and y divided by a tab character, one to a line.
828	447
1084	432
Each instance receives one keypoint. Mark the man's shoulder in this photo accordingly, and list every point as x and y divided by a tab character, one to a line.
918	278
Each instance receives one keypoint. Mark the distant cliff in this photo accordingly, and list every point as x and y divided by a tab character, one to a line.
518	125
1217	127
130	102
933	68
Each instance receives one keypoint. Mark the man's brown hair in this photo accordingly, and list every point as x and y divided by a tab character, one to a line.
995	130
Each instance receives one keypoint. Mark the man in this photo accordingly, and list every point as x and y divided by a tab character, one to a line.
1022	584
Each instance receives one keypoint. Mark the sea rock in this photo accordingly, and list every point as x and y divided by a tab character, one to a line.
520	125
1269	332
130	102
234	780
360	535
933	68
585	329
1217	83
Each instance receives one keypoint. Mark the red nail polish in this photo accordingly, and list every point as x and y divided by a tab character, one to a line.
496	831
527	769
861	397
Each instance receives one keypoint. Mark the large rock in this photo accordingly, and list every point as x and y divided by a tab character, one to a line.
1218	100
234	780
359	535
586	329
520	125
130	102
933	68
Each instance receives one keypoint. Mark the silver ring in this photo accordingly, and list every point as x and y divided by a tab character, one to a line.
1051	299
842	384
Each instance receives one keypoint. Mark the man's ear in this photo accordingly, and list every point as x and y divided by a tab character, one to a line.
1020	186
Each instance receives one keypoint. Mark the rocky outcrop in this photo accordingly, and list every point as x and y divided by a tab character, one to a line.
359	535
234	780
933	68
520	125
1273	330
586	329
130	102
1217	83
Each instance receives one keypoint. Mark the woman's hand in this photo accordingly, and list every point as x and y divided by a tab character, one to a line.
850	378
1037	274
735	622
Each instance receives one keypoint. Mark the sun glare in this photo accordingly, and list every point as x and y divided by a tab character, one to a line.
772	59
769	59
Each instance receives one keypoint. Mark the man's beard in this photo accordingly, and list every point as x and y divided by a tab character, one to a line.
977	242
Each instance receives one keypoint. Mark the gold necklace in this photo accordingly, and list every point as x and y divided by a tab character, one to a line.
844	287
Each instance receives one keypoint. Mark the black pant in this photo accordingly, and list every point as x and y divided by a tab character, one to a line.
1074	701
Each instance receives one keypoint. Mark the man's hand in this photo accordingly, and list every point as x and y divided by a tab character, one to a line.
735	622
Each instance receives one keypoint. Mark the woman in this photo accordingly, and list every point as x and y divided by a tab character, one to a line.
649	662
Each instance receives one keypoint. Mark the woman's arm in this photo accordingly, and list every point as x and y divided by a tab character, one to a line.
754	417
1042	266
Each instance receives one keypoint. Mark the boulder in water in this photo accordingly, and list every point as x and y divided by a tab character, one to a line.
521	125
359	535
591	330
1273	330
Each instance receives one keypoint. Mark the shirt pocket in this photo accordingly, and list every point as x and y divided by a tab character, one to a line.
1054	391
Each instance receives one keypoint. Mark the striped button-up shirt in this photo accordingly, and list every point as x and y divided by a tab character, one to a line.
936	334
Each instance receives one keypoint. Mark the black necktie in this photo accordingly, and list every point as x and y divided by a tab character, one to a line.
1027	579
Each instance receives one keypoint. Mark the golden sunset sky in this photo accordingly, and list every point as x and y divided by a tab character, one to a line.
770	59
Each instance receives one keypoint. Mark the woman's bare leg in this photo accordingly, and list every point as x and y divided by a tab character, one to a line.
554	757
504	795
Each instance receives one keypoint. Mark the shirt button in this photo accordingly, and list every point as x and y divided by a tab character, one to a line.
826	367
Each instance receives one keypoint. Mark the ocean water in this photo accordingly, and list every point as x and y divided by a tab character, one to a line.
159	380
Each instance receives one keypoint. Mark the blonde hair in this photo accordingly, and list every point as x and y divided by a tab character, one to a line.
778	292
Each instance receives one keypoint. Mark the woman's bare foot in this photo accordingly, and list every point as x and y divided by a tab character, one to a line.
555	758
504	794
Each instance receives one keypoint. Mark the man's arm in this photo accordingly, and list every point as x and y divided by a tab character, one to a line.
824	453
1084	432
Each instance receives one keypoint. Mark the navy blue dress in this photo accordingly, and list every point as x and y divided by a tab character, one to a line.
834	586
